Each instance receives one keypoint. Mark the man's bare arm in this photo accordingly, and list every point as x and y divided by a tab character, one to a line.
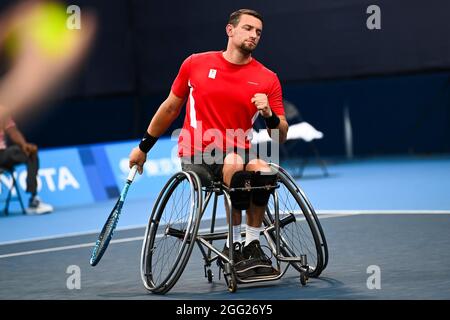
166	114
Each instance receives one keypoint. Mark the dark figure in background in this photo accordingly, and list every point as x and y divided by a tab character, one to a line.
22	152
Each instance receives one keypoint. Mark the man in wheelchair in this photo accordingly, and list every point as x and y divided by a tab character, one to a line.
250	259
225	91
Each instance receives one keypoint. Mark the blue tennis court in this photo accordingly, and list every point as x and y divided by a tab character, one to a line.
390	213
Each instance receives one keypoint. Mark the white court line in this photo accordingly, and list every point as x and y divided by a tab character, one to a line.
76	246
377	212
83	245
143	226
319	212
68	235
91	244
327	214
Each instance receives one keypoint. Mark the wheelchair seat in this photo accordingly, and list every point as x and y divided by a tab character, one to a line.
206	176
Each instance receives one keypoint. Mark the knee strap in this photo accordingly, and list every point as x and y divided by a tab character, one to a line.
260	197
240	199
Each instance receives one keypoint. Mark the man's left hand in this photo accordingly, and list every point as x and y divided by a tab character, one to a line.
261	102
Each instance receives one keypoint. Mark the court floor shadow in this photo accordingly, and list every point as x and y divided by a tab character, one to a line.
287	288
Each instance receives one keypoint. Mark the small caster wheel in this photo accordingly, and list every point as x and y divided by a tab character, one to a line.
303	278
209	275
231	282
232	285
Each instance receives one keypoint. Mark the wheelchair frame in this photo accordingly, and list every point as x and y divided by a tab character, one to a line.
279	246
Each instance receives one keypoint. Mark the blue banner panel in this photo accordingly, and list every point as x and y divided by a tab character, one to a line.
162	162
94	173
61	180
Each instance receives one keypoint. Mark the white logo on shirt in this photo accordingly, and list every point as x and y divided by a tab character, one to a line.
212	73
251	82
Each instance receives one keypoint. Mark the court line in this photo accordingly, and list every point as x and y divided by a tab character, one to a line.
91	244
69	235
383	212
83	245
76	246
340	213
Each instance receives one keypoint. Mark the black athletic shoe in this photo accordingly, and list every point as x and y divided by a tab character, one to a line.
241	265
257	259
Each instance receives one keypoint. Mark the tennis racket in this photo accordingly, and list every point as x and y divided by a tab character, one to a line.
108	229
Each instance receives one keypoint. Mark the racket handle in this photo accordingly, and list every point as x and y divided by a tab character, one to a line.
132	173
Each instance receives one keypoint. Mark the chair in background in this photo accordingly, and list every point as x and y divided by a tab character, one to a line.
9	189
298	130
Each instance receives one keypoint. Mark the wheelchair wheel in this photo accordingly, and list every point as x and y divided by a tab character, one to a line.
300	230
317	224
171	231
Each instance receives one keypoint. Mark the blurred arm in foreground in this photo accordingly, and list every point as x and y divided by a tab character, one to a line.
42	52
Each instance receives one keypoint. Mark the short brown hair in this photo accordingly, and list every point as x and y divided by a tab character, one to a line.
235	16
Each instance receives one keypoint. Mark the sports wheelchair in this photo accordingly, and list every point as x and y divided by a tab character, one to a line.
291	229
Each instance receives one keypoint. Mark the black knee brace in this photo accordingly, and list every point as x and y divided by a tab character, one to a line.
260	197
240	199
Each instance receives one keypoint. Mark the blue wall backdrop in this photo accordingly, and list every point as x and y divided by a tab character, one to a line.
394	81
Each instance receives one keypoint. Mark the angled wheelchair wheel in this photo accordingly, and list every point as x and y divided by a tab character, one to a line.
171	231
315	221
300	229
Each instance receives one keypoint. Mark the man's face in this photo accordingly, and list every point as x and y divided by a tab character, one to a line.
246	34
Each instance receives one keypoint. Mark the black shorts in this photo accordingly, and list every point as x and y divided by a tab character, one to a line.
214	166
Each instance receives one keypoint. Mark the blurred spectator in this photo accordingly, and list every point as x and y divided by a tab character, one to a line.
22	152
